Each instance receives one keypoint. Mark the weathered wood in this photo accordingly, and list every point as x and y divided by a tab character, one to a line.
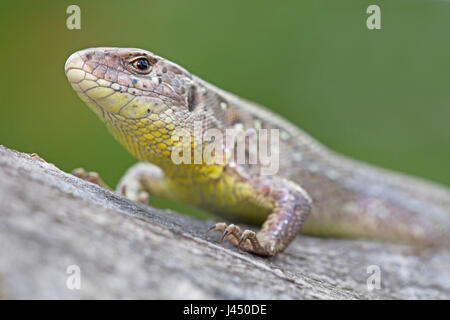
50	220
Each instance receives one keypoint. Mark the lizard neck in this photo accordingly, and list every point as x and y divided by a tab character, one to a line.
165	148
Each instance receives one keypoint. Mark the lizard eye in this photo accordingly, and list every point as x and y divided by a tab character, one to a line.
141	65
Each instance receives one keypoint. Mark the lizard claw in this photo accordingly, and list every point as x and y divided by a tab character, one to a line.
36	156
245	235
221	226
224	234
231	230
238	238
225	230
92	177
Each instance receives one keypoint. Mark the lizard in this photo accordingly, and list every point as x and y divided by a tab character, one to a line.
144	99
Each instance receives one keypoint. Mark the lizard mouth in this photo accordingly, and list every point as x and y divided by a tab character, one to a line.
95	78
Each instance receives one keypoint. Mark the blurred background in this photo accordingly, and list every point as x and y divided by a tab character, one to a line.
382	96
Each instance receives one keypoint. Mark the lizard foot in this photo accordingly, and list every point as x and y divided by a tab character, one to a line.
139	196
134	194
36	156
246	240
89	176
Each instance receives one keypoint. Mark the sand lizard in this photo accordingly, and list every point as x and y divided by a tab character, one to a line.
143	98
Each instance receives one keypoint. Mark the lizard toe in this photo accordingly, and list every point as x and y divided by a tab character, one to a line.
220	226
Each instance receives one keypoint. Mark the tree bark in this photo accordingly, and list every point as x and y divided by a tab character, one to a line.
51	220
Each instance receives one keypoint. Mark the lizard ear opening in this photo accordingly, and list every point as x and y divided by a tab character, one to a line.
191	98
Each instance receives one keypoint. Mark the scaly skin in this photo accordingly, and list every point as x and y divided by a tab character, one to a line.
143	104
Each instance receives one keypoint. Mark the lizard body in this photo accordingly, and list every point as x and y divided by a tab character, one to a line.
143	99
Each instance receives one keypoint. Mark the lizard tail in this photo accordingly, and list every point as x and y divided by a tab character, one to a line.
389	207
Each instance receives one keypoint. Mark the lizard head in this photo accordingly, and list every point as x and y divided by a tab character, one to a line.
140	96
132	83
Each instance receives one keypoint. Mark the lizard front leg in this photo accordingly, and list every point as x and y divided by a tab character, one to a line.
142	180
290	206
288	203
138	182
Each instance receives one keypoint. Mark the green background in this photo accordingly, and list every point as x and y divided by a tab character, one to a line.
381	96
